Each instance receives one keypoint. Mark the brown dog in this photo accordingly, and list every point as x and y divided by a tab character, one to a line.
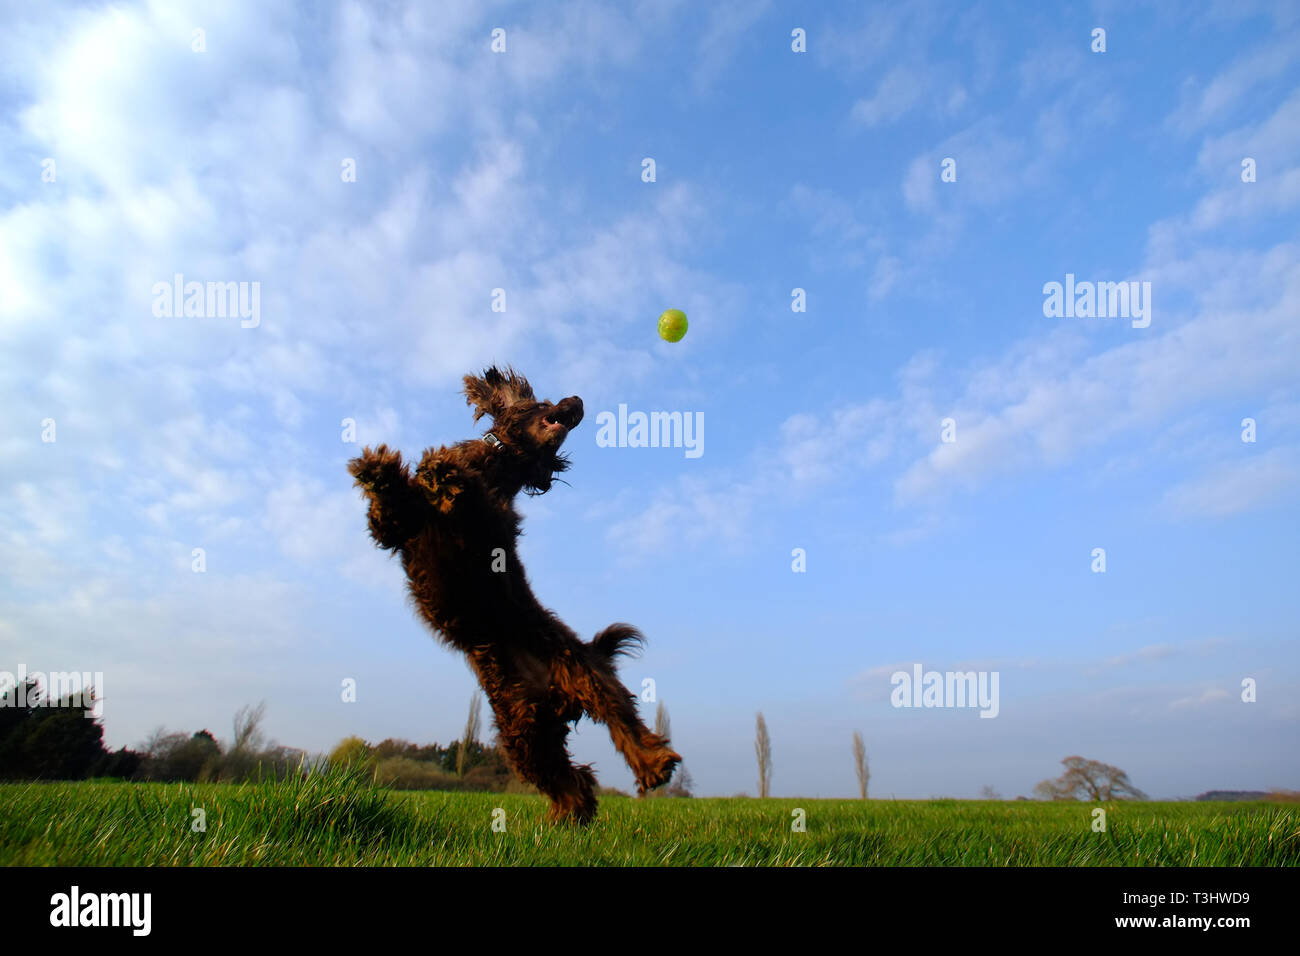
455	525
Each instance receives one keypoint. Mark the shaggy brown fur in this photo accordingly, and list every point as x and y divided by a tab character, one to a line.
454	524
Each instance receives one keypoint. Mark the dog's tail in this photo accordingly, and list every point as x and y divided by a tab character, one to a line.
387	484
618	639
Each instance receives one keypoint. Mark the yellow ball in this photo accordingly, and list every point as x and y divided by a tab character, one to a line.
672	325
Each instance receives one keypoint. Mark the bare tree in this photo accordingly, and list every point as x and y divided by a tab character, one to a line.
763	750
248	729
246	758
682	784
470	736
987	792
160	741
1088	780
860	763
1050	790
663	726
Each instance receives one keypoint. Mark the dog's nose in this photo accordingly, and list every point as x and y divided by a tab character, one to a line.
573	405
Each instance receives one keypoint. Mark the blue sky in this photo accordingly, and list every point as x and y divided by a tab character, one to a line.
775	171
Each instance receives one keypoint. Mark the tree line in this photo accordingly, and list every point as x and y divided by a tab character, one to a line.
1083	779
56	740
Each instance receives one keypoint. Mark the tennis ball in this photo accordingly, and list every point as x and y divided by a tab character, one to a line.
672	325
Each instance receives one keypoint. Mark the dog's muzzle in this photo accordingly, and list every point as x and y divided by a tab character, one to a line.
567	413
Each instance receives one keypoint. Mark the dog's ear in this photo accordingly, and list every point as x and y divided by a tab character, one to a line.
495	391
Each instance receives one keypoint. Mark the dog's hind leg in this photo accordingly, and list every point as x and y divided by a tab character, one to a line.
536	748
605	699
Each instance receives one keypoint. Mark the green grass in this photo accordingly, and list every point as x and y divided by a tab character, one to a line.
342	821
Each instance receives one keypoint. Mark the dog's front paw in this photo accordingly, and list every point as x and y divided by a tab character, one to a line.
441	481
658	770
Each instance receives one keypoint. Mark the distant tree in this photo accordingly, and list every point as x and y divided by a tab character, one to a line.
13	717
278	762
240	761
475	755
860	763
663	726
1088	780
682	784
63	743
47	739
121	764
251	756
156	741
350	751
763	751
988	793
174	756
444	757
1050	790
198	758
16	725
158	748
248	729
391	747
472	723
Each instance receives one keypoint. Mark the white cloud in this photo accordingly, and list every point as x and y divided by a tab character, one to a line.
728	22
310	521
1208	697
1206	104
1232	487
900	89
1051	409
689	512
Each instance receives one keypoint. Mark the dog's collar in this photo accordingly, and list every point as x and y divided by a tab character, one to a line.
492	440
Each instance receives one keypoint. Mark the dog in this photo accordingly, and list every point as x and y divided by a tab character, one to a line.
455	527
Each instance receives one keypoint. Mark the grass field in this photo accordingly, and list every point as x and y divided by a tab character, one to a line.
338	821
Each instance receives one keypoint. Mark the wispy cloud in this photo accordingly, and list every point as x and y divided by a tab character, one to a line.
1209	697
1236	486
899	90
1205	103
